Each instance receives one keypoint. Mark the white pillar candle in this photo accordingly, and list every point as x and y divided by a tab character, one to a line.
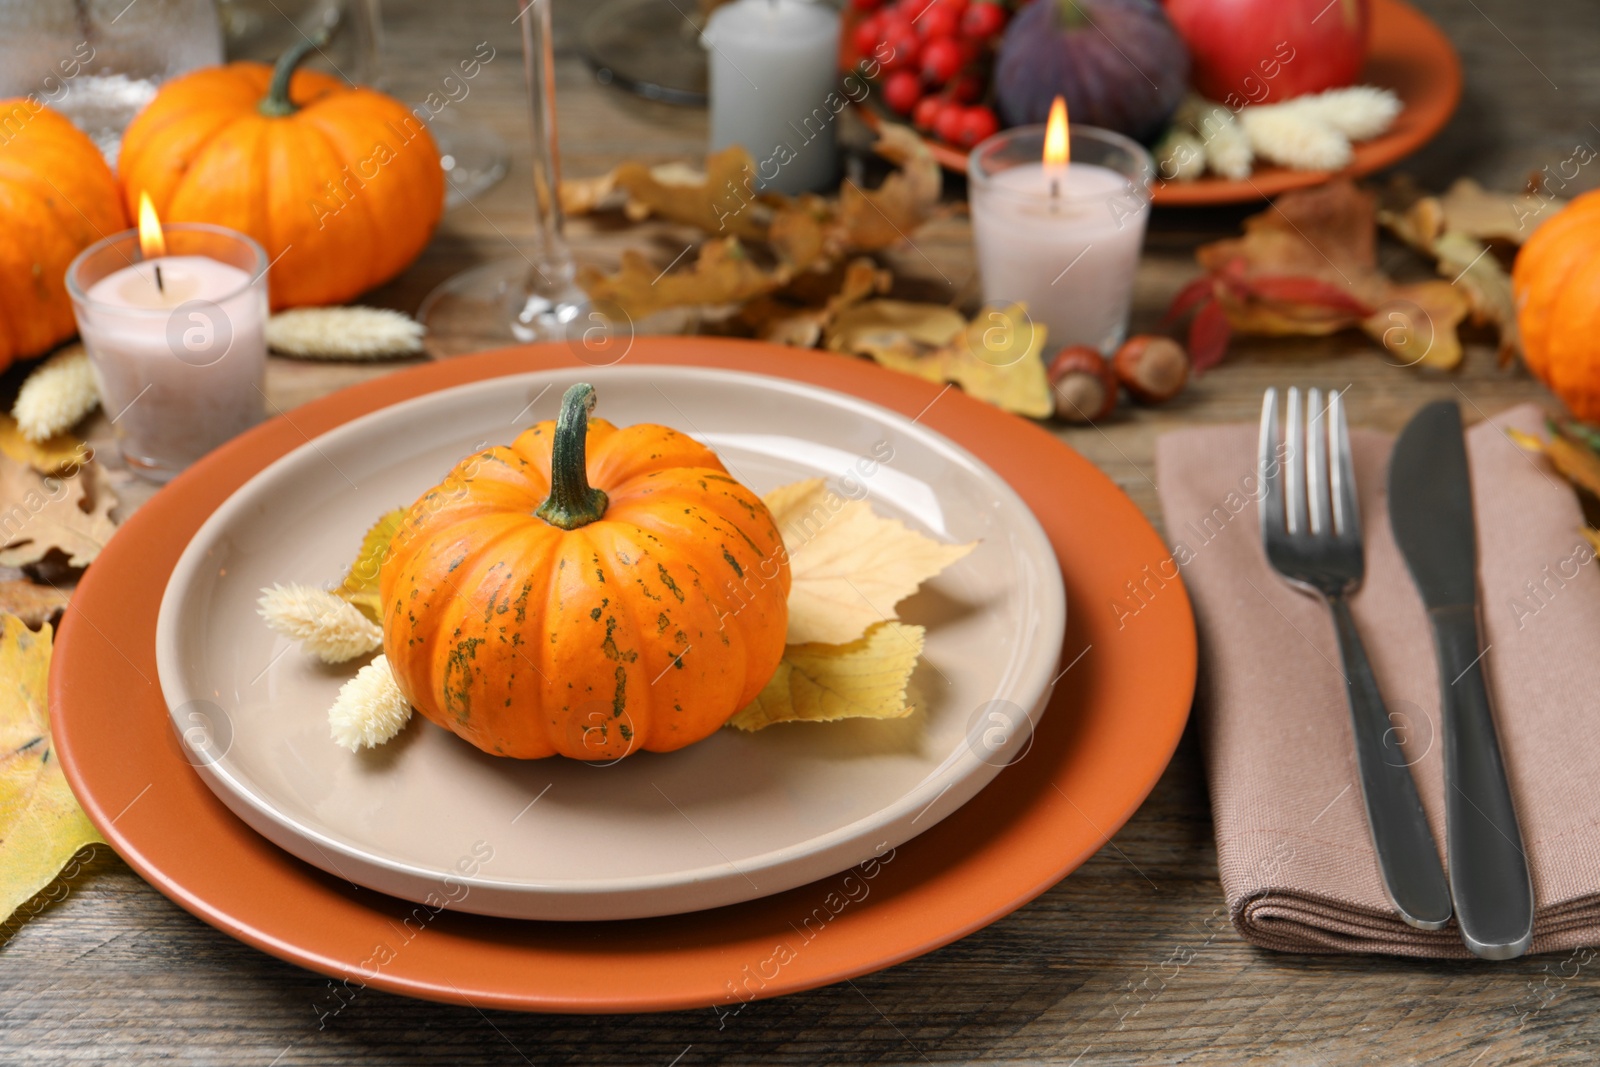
179	364
1063	239
774	84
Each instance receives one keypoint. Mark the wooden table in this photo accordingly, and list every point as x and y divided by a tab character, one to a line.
1128	961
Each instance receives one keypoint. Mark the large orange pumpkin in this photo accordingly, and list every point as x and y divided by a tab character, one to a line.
57	197
1556	282
589	591
341	186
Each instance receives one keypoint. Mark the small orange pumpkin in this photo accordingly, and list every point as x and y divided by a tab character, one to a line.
57	197
589	591
341	186
1556	283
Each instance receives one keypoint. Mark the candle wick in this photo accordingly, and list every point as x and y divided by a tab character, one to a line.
1055	187
159	287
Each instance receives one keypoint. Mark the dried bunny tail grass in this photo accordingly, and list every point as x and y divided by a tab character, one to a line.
329	628
344	333
1227	148
57	394
1284	134
1359	112
370	708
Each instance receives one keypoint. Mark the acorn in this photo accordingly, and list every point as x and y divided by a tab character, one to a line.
1085	388
1152	369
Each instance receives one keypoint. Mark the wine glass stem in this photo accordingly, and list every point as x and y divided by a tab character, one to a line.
539	66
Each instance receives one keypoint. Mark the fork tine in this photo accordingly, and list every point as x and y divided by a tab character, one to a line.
1346	519
1268	470
1294	489
1316	463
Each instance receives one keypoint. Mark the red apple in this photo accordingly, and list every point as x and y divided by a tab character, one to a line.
1260	51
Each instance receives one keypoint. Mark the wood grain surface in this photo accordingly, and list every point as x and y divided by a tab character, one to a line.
1128	961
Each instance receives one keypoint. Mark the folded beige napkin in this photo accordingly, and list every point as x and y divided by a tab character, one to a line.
1295	858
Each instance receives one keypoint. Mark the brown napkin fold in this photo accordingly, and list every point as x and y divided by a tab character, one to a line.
1295	857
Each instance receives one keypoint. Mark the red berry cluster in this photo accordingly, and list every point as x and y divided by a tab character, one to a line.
935	56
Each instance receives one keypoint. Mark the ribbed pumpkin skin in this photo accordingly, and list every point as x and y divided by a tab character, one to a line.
646	629
1556	283
205	153
57	197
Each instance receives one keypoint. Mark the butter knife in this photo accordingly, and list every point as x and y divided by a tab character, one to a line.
1430	508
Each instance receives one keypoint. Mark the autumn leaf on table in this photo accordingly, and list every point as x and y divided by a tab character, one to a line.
33	603
724	273
774	318
863	679
49	456
885	216
41	824
718	201
1308	265
70	511
1458	251
848	567
995	357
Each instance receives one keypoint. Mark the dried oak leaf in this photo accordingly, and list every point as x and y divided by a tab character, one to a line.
49	456
41	824
884	217
39	512
863	679
777	319
31	602
848	568
1477	212
724	273
581	196
1309	265
360	584
1458	252
720	201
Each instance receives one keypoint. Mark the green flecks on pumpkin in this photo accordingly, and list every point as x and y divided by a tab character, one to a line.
732	562
627	734
644	590
672	586
458	561
595	614
522	601
662	622
619	701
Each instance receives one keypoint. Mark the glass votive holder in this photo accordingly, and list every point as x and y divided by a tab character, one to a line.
177	341
1062	239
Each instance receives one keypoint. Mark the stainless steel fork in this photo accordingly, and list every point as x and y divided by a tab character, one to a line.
1311	531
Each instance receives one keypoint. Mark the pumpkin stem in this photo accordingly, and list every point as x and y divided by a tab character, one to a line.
276	104
573	502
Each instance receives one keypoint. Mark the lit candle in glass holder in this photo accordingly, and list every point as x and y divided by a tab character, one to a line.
1058	215
173	318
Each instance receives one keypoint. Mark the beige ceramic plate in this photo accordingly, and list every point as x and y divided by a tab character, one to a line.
732	818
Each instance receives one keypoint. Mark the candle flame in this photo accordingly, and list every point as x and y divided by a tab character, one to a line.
1056	150
151	241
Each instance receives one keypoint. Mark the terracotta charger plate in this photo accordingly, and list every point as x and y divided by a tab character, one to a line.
1409	54
1115	718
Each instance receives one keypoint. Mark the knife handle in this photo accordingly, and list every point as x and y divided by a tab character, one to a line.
1488	868
1408	859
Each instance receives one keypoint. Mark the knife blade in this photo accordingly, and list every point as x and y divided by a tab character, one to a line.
1430	510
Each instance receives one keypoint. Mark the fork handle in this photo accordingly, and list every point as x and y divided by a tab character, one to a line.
1407	856
1488	868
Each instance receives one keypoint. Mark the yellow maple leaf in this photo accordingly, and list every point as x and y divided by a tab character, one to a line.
360	585
48	456
41	824
848	568
864	679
